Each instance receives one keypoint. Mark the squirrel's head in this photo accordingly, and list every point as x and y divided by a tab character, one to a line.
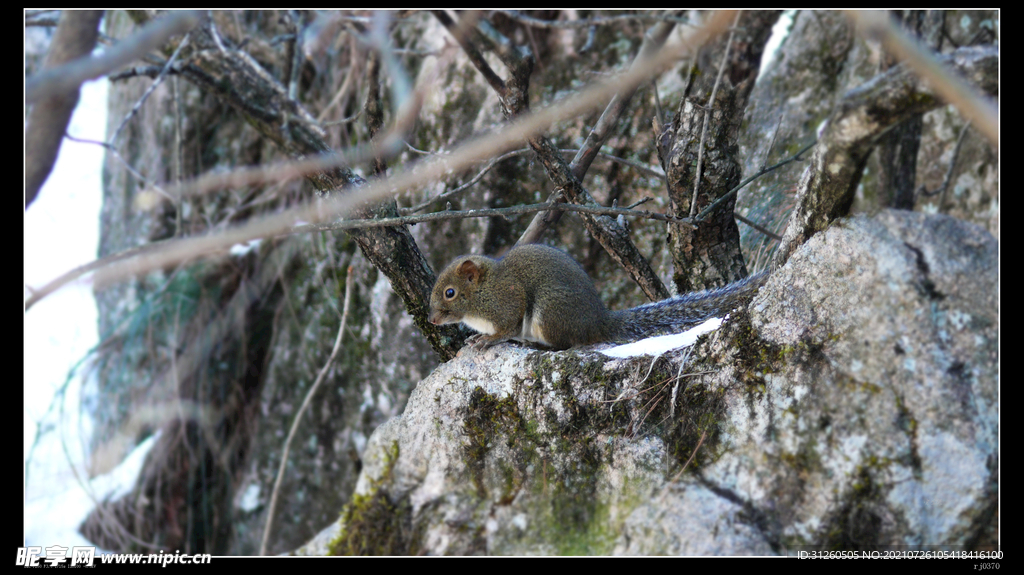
454	287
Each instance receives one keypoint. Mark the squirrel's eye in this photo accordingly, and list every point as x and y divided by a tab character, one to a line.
449	293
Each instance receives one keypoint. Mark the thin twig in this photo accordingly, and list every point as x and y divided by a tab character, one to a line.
305	404
704	213
127	166
486	213
644	169
775	135
490	165
343	92
659	114
759	227
648	408
634	389
949	171
692	455
639	202
145	95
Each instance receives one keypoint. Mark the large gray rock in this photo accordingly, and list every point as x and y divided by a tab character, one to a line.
855	404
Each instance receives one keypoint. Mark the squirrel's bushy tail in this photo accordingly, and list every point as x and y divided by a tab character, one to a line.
687	310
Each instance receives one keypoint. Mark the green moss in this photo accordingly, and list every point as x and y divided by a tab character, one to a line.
374	524
859	523
588	530
563	505
805	461
488	419
567	514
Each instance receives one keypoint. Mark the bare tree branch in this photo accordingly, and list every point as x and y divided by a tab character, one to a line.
466	155
653	41
827	188
68	77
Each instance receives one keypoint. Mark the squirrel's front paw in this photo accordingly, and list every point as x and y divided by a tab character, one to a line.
481	342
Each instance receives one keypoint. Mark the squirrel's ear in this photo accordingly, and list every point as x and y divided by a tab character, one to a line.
469	270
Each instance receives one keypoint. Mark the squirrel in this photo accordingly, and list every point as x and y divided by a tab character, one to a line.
541	294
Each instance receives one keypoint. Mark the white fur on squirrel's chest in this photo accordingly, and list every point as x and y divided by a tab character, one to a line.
479	324
530	330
